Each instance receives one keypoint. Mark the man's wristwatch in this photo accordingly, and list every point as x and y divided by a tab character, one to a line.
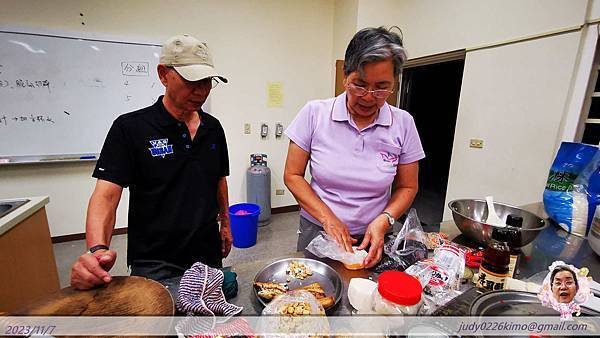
97	247
390	218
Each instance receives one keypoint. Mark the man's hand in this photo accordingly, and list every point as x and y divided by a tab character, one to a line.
374	238
226	238
339	231
91	269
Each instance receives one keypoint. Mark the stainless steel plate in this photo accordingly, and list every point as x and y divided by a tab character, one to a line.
323	274
514	303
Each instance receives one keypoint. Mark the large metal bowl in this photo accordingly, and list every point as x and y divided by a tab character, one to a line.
326	276
471	215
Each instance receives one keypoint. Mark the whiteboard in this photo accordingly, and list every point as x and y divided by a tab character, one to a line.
59	95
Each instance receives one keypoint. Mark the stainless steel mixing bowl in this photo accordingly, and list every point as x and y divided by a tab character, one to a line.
470	216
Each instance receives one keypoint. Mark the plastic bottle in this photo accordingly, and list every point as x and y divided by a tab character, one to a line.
514	238
397	293
496	258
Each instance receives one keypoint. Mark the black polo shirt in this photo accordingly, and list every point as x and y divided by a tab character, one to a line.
172	182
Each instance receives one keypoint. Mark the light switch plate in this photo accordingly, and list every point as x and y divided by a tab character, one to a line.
278	129
264	130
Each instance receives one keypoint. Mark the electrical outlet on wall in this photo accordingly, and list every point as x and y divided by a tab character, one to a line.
247	128
476	143
279	191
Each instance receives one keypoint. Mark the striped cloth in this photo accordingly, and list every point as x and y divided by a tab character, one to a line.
201	293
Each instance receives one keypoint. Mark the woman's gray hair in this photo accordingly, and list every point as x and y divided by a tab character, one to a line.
373	45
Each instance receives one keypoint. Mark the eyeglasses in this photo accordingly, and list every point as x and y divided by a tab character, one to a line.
567	283
361	91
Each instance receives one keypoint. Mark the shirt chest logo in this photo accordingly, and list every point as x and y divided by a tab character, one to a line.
160	147
389	159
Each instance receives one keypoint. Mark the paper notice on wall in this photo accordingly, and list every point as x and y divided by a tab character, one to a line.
275	94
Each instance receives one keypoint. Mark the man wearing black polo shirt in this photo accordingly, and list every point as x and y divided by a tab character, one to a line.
173	157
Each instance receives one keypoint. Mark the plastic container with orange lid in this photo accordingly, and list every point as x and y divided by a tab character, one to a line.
397	293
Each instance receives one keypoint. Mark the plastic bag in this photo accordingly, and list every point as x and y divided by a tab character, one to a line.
573	187
277	318
281	302
324	246
407	247
440	276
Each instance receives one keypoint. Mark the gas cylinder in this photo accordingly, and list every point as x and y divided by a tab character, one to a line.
258	186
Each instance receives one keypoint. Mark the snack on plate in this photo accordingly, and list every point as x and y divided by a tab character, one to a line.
295	309
293	313
298	270
268	290
316	290
296	299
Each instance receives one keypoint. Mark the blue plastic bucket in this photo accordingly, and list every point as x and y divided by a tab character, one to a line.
244	228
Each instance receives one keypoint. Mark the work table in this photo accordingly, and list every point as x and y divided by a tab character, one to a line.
552	244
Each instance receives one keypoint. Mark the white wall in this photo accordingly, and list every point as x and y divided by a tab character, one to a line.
437	26
296	42
514	97
344	26
253	43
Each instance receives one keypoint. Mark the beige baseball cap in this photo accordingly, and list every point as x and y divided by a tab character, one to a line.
190	57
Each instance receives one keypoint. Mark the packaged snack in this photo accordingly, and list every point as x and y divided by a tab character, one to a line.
435	240
440	276
407	248
324	246
294	312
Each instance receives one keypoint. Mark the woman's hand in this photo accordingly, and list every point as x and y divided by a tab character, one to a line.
374	238
339	231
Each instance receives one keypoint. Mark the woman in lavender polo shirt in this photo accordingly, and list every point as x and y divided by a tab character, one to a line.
363	153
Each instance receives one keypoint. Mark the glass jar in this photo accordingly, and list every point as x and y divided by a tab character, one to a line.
397	293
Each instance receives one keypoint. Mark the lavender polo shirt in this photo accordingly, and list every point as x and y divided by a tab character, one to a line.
352	170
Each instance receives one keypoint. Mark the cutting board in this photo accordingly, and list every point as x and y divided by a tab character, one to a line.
123	296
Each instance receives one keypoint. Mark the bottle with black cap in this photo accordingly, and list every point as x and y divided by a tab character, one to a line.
514	222
496	257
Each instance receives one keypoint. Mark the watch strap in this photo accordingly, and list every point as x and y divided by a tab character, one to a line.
391	219
98	247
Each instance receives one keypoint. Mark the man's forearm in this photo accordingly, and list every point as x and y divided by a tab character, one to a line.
223	201
101	214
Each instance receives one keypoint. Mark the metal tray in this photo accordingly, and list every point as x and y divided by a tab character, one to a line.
514	303
322	273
